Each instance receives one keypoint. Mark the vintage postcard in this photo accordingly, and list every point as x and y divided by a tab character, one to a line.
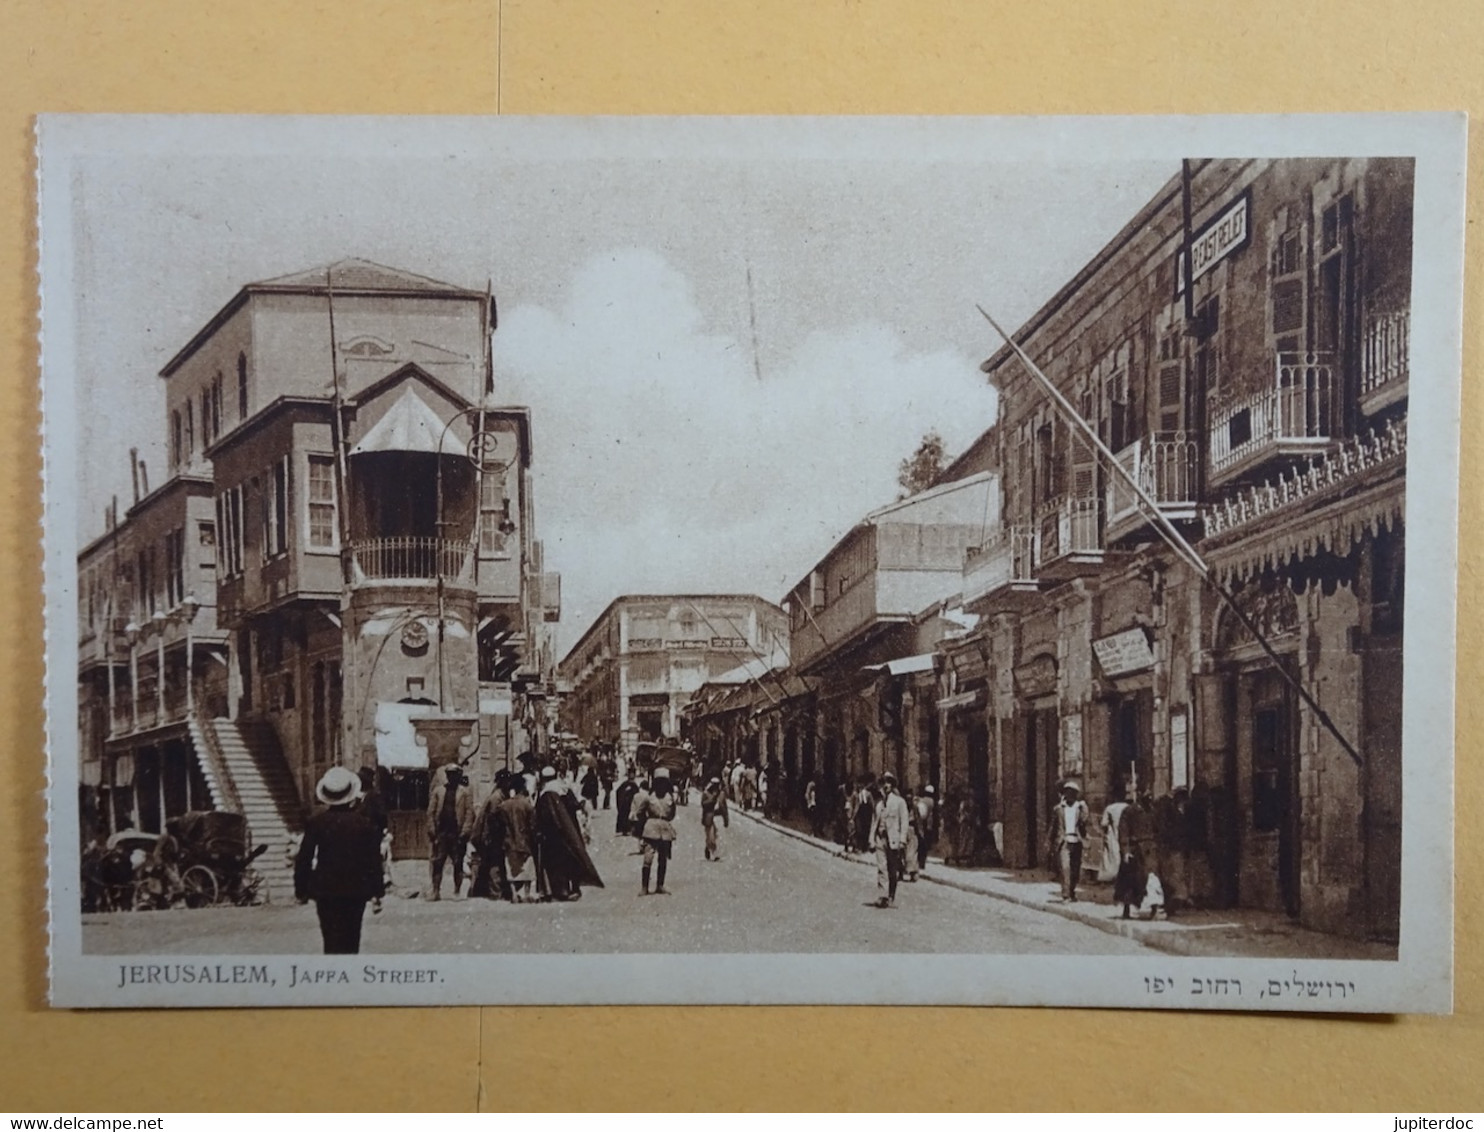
751	560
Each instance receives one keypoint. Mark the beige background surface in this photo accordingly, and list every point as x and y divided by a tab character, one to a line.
701	56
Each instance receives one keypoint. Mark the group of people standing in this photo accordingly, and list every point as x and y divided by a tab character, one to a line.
857	825
1130	850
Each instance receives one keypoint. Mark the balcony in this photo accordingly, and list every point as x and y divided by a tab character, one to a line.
1164	466
1384	365
412	559
1297	416
1000	576
1069	539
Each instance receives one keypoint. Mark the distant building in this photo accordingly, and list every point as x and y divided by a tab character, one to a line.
324	565
640	662
864	624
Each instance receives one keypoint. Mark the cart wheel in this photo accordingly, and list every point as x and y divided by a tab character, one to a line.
199	884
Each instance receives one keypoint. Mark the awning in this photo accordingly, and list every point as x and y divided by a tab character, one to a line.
905	665
411	425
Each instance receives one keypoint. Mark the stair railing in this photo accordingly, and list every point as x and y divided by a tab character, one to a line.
213	755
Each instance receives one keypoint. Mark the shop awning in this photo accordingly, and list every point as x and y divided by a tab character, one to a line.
905	665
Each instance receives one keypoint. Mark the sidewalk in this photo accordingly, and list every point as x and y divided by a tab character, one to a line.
1216	934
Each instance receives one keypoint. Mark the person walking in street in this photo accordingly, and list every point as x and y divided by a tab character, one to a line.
865	814
927	826
1066	836
889	834
513	837
605	777
1112	856
713	805
654	814
339	863
1135	841
624	803
450	822
374	807
486	870
909	851
811	806
563	866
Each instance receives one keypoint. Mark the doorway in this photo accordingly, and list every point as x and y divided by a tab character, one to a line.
1041	767
1275	825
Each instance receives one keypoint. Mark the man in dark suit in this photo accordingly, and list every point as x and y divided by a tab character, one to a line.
339	863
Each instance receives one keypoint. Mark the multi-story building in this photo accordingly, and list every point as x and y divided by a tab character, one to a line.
1255	386
342	557
642	659
864	624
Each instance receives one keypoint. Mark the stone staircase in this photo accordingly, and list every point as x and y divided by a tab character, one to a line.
260	787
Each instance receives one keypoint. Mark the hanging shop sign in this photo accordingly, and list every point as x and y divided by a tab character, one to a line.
646	644
729	642
1124	652
1218	238
1037	676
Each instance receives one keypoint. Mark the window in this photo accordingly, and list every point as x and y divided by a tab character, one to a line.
229	523
494	513
175	439
174	567
275	509
207	436
321	497
190	430
1286	290
206	538
242	387
216	405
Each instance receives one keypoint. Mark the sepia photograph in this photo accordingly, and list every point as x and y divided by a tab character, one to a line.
751	560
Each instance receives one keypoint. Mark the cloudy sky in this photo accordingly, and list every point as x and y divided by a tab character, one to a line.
729	331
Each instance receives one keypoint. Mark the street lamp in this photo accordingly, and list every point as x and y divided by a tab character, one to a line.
190	605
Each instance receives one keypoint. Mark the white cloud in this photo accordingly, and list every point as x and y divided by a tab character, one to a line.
663	462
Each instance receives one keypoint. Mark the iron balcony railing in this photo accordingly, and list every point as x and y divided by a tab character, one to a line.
1302	404
1006	559
412	559
1163	465
1384	352
1070	525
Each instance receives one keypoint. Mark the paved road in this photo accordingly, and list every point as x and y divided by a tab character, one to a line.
768	893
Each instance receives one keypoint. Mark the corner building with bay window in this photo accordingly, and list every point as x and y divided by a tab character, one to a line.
349	567
1265	411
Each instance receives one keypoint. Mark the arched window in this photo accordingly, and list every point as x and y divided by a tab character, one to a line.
242	387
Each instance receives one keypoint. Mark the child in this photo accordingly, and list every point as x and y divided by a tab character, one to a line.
1154	898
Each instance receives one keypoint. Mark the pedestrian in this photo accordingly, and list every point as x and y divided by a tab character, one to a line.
338	865
591	788
450	823
1135	840
762	790
909	851
562	862
889	834
1066	835
514	836
713	804
927	826
654	814
865	814
605	777
811	805
749	787
625	802
374	807
734	784
1112	856
486	870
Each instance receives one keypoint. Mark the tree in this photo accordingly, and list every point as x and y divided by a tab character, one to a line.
920	471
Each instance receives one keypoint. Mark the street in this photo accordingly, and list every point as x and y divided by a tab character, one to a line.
768	893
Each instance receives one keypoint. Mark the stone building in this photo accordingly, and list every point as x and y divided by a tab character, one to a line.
636	667
1258	393
340	567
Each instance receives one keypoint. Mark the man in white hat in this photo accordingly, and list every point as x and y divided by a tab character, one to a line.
339	862
1067	835
889	835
